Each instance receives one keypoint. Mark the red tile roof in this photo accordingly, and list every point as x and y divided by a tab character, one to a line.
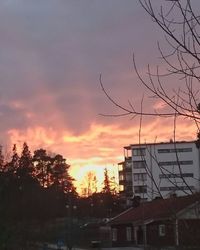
156	209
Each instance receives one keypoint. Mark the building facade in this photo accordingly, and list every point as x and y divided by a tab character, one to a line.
159	170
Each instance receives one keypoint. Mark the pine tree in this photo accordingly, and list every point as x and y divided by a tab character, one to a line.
42	162
13	165
2	165
59	173
106	182
26	168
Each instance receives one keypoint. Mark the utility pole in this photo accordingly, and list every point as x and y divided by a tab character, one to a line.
69	235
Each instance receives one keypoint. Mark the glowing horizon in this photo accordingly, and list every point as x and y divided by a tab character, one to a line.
99	147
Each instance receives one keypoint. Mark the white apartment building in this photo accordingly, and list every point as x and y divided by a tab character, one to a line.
159	169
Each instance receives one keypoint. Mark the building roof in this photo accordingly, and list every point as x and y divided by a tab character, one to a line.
156	143
155	210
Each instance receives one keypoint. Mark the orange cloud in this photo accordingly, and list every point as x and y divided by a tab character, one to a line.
101	145
34	136
159	105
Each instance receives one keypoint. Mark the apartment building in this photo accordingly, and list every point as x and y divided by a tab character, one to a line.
159	169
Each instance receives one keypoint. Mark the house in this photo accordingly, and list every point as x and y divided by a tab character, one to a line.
162	222
159	169
94	234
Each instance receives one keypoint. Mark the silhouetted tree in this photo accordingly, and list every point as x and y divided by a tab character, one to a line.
42	164
13	165
106	182
2	165
60	175
89	184
31	189
25	170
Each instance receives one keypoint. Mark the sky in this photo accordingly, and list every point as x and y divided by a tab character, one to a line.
52	53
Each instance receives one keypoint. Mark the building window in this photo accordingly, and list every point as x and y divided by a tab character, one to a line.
128	164
140	189
174	150
129	188
121	188
166	176
121	177
176	188
139	164
120	167
128	233
162	231
114	234
173	163
128	177
138	151
140	177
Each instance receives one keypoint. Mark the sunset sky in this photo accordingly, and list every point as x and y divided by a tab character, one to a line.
52	54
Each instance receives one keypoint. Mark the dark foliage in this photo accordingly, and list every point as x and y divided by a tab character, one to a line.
36	190
32	188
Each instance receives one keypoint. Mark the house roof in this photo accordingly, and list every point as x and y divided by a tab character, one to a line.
156	209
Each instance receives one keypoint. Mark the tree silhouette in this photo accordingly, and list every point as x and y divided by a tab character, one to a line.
25	170
2	165
89	184
42	163
13	165
106	182
59	173
33	190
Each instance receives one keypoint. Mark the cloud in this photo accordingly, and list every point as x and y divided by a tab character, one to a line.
52	53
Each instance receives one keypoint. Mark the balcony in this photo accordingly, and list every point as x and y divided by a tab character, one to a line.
126	170
129	193
126	193
125	182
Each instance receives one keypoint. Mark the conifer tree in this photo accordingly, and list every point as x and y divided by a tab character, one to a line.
41	162
26	168
2	165
13	165
106	182
59	173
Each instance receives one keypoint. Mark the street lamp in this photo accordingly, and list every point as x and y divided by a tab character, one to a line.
70	209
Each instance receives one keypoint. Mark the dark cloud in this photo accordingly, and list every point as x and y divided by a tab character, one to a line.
12	117
52	53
